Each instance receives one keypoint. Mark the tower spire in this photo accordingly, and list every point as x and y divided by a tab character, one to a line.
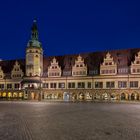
34	31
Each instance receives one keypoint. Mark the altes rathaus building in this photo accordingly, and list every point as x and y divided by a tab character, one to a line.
109	75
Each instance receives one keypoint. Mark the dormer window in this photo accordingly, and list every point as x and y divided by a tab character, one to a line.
1	73
79	69
108	67
135	66
16	72
54	69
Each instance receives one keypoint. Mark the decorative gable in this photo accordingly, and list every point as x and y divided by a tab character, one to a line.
108	67
54	70
1	73
135	66
79	68
17	71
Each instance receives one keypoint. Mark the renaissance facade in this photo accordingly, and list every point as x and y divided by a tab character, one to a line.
109	75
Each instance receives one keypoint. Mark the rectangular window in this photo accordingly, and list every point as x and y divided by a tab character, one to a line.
61	85
93	72
110	84
1	86
122	70
122	84
67	73
79	73
134	84
45	85
98	84
16	86
52	85
71	85
81	85
9	86
89	85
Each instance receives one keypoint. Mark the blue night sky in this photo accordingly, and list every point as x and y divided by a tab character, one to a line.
69	26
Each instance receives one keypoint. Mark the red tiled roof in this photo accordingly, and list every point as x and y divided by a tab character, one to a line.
123	58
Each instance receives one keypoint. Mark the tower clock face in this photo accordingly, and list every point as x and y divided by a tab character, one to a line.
30	58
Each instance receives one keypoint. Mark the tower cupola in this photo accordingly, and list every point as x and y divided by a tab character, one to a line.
34	41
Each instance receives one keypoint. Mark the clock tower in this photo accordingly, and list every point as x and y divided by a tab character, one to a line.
34	54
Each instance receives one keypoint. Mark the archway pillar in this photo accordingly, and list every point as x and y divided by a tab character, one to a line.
126	96
129	96
135	96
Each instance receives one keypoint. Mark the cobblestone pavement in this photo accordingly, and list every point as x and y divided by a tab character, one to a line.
69	121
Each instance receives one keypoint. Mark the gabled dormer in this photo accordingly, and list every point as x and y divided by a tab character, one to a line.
1	73
135	66
17	72
79	68
54	70
108	67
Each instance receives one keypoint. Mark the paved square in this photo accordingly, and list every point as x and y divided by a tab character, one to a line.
69	121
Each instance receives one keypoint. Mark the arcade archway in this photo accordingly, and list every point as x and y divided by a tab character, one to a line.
123	97
66	96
